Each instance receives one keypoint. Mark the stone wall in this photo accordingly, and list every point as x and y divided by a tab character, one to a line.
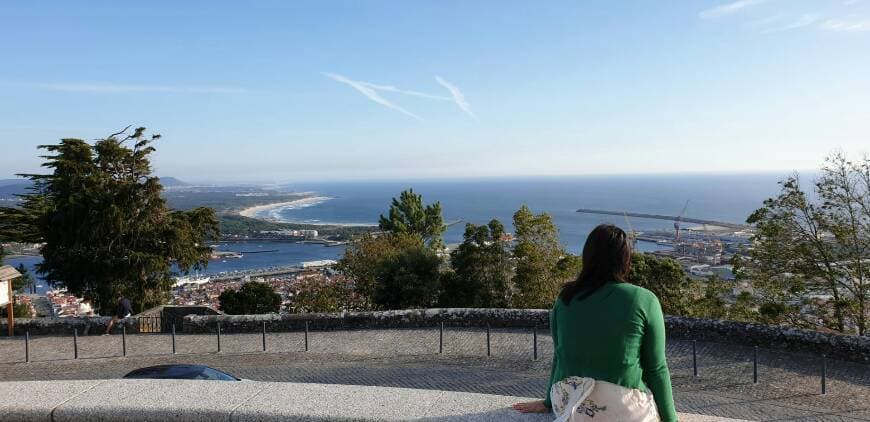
851	348
64	326
412	318
176	313
97	325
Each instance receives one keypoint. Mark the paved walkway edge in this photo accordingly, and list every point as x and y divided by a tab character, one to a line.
214	401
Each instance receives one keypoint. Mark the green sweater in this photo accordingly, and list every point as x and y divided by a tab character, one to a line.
617	334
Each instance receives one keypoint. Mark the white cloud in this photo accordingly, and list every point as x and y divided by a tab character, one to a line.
765	22
112	88
458	96
370	91
728	8
801	22
846	25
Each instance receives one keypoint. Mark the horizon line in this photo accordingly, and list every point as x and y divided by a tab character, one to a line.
784	172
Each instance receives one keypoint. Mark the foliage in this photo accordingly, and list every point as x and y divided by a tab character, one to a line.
408	278
743	308
540	270
252	298
105	226
667	279
363	259
482	269
20	310
24	281
392	271
711	303
321	294
233	225
409	216
808	261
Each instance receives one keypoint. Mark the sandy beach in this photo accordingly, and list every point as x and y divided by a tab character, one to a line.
259	210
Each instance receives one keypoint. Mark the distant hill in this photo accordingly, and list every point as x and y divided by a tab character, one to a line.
171	181
14	182
11	187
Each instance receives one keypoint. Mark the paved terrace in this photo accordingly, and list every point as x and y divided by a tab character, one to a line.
788	388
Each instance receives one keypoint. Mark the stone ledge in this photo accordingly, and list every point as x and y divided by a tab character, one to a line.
216	401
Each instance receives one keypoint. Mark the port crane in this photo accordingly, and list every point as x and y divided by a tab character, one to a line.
678	221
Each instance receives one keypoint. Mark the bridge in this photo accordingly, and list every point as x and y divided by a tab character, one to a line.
665	217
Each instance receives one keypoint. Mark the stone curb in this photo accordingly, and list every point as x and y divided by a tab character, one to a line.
217	401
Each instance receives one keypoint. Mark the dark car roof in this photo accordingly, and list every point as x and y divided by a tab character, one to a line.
180	371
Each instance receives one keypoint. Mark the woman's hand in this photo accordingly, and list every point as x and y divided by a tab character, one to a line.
532	407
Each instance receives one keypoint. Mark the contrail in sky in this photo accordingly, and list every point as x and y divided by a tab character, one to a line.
458	96
371	93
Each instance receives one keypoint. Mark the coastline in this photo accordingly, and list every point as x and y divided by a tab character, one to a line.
261	212
255	211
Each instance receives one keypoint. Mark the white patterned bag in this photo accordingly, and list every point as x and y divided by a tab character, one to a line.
585	399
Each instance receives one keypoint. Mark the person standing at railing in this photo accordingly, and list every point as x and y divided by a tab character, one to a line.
608	343
124	310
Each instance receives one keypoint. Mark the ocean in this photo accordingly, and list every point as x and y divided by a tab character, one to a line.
721	197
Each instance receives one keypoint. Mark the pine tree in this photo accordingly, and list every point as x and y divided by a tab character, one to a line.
409	216
106	230
542	264
482	269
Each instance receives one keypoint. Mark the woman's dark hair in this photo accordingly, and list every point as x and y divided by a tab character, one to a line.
606	257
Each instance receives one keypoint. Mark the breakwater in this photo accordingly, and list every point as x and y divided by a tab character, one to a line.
665	217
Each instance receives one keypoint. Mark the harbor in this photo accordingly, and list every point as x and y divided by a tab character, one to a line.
704	250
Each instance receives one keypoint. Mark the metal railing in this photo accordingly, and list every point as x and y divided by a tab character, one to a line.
156	324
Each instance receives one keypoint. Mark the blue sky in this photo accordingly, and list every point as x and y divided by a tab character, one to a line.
284	91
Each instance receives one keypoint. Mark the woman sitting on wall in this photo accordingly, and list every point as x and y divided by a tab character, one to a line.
608	342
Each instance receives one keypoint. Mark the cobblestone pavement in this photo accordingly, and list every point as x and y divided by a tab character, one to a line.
788	388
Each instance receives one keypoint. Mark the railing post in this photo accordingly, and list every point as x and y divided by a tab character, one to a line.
441	338
124	340
535	342
306	336
694	358
27	346
219	336
755	365
75	343
173	338
824	374
487	340
264	336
